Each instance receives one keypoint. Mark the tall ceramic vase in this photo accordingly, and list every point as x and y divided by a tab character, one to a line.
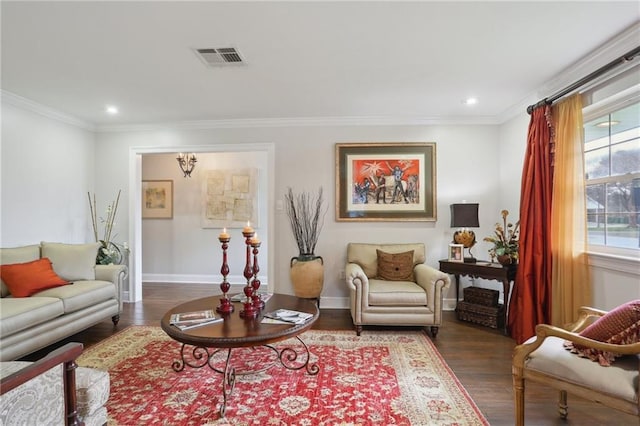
307	275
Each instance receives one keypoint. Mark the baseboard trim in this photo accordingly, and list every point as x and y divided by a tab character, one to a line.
326	302
197	279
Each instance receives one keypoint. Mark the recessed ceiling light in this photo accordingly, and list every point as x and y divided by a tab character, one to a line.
470	101
110	109
607	123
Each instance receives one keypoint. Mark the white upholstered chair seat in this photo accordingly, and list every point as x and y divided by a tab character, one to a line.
544	359
619	380
392	293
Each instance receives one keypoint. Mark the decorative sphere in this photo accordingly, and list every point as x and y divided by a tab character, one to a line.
465	237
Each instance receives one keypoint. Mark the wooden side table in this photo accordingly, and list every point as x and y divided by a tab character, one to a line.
486	270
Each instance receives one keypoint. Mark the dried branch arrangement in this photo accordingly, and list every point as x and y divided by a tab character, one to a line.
306	215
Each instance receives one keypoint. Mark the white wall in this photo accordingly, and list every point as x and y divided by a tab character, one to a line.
615	281
509	156
467	167
180	249
47	170
512	147
48	167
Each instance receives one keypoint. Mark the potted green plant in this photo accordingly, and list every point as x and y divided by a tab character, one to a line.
505	241
306	217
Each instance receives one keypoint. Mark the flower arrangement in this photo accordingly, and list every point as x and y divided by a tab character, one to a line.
109	252
505	240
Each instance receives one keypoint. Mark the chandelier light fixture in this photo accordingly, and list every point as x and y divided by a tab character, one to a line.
187	163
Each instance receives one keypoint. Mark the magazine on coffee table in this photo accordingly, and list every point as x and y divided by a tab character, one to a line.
192	317
189	325
267	320
240	297
289	316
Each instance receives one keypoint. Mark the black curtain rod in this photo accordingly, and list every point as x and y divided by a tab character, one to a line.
584	80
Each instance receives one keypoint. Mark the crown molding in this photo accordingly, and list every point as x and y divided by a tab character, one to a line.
45	111
517	109
300	122
29	105
614	48
54	114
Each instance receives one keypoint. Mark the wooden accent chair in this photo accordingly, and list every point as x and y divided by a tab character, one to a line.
34	378
53	389
544	359
407	295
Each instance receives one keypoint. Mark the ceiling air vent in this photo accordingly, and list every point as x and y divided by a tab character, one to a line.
220	56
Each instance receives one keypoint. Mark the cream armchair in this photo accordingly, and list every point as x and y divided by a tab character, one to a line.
544	359
375	301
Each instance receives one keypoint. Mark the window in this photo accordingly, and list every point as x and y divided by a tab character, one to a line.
612	168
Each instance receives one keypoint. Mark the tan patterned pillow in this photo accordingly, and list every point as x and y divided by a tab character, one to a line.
620	326
395	266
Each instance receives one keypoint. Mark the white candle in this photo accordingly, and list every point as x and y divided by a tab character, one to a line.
224	235
247	229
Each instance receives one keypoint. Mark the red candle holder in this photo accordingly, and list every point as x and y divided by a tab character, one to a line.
257	301
249	310
225	306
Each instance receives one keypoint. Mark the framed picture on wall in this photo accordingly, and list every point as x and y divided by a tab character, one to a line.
229	198
455	253
157	199
386	181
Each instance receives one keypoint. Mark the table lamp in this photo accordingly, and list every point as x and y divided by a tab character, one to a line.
464	216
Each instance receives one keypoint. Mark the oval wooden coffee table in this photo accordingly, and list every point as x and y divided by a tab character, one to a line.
205	346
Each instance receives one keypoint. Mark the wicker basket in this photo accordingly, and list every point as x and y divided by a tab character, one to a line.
481	296
489	316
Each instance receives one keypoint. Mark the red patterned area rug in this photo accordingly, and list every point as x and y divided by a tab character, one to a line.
379	378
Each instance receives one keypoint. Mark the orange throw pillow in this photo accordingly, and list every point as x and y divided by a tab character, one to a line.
25	279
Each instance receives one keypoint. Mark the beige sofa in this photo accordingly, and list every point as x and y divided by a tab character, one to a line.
375	301
31	323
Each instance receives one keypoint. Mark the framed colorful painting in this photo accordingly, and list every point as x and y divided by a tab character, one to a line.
386	181
157	199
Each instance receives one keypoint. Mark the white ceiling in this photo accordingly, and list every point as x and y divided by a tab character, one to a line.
304	60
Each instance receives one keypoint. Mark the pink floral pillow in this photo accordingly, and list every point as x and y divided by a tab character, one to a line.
620	326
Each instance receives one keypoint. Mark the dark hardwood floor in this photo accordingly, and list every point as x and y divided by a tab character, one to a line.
479	356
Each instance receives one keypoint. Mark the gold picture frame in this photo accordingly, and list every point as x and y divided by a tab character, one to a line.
157	199
386	181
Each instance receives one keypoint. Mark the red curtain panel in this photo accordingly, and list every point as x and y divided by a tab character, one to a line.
531	298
